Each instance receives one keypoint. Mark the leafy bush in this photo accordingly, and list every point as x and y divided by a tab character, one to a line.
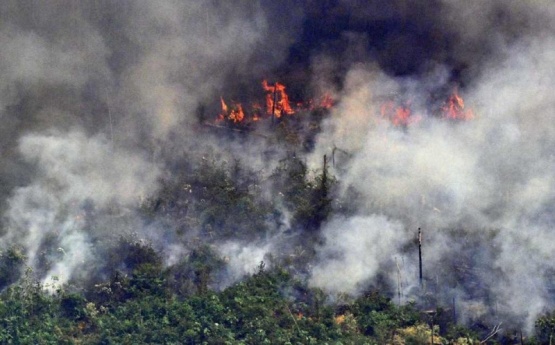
378	317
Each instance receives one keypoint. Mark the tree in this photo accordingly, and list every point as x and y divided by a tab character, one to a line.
309	198
12	261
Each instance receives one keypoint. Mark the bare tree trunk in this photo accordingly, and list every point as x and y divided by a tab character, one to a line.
420	255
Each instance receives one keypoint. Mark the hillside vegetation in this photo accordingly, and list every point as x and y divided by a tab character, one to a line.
133	296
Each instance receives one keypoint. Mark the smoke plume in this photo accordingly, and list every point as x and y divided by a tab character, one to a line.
480	189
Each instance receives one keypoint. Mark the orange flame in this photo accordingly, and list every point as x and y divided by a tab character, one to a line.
399	115
223	114
402	115
454	108
278	105
224	106
327	101
236	114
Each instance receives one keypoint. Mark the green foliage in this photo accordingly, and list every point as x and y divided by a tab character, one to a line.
135	254
146	279
149	320
545	328
378	317
307	196
462	333
72	306
257	305
11	265
196	273
269	307
29	316
134	269
221	200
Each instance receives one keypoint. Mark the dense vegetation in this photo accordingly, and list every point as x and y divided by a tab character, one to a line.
270	307
146	307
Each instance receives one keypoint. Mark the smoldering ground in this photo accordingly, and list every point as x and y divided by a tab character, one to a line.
100	101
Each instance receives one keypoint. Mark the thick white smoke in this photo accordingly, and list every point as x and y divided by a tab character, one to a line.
360	246
73	170
491	177
243	259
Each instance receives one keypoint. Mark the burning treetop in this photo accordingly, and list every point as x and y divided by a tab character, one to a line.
454	108
277	104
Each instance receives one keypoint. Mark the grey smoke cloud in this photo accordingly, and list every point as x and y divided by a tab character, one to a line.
97	99
73	170
356	250
243	258
490	178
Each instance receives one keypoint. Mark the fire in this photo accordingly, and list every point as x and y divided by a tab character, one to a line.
454	108
236	114
399	115
224	111
277	101
327	101
277	104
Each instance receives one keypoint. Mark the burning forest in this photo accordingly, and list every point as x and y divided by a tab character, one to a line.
276	104
351	156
